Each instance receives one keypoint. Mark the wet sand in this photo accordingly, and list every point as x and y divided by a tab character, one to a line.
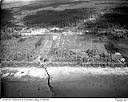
70	82
22	89
93	86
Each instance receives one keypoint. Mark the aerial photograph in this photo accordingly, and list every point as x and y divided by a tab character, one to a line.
64	49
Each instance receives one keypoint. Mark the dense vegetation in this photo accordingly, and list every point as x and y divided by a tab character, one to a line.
117	17
58	18
41	4
83	58
6	16
69	17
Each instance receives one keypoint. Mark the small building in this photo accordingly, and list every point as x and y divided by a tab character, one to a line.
55	29
117	57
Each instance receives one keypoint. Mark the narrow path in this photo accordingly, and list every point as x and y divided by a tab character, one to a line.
44	50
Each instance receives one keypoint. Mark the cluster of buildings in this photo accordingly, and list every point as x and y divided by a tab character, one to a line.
41	31
33	31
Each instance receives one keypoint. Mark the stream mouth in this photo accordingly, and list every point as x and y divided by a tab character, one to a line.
49	83
69	82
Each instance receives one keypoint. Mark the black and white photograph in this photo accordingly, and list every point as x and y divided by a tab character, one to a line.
64	49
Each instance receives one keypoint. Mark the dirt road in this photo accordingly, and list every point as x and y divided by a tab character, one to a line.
47	46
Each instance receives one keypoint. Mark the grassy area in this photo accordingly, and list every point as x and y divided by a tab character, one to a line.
17	50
